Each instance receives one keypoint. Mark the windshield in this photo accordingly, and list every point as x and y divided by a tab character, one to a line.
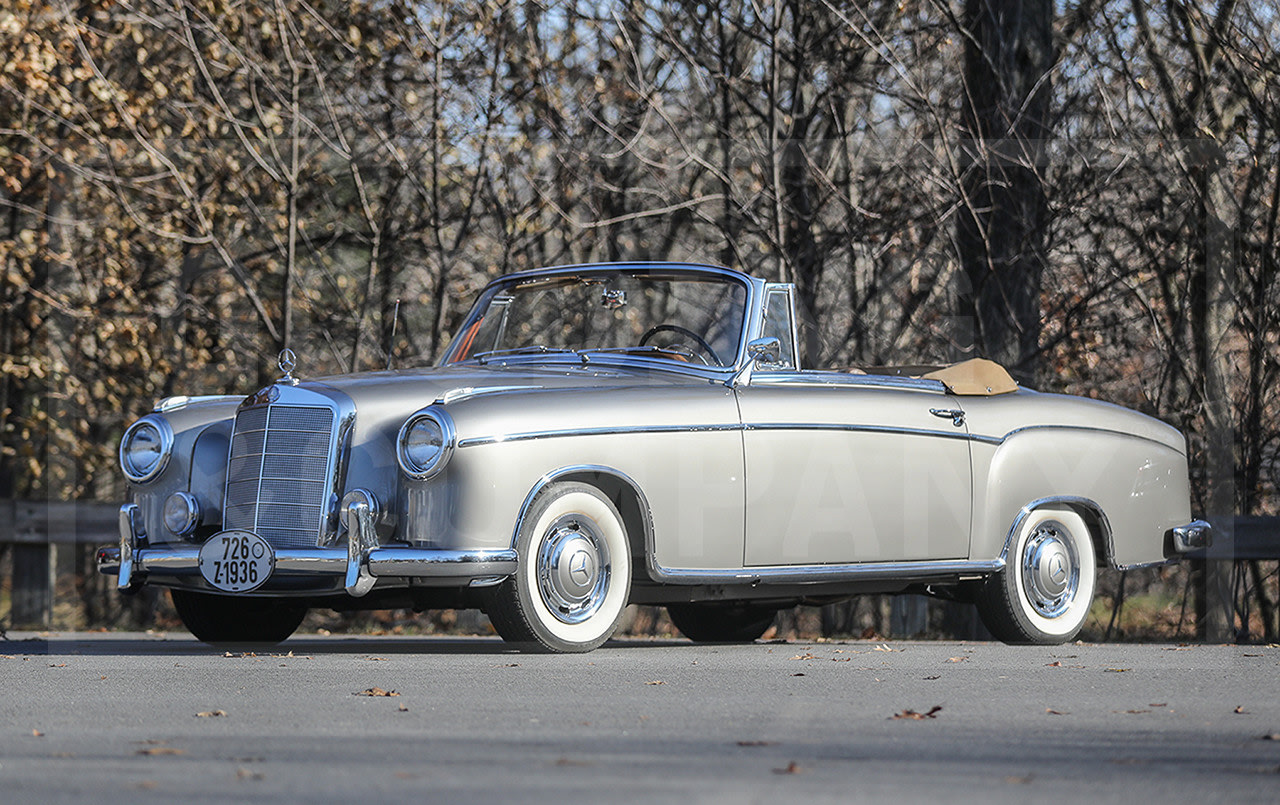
689	319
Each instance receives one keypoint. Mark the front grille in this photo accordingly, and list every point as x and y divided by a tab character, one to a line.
279	479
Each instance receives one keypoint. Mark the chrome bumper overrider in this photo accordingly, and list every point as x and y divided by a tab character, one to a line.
358	564
1193	536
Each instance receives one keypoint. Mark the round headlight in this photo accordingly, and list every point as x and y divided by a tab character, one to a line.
181	513
424	445
145	449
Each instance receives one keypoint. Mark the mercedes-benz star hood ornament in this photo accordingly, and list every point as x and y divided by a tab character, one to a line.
287	361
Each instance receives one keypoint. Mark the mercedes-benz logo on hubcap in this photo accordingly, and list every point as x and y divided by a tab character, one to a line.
579	567
1057	569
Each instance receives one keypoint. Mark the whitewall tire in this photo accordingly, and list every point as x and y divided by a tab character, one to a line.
1043	594
574	573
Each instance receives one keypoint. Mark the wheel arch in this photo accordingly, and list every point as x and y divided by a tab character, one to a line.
1089	510
622	491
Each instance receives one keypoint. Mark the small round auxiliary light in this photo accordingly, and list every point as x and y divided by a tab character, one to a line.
181	513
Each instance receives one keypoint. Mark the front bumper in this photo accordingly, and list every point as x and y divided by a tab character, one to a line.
354	568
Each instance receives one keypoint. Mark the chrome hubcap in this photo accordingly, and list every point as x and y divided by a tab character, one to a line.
1050	570
573	569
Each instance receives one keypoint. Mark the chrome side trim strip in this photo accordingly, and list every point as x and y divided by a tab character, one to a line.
800	574
1086	428
610	430
941	434
475	441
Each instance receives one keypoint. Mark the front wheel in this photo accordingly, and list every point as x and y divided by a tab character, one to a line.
574	573
1043	594
224	620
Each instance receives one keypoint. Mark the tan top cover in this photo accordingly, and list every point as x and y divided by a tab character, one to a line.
975	377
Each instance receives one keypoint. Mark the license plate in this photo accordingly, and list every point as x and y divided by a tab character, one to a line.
236	561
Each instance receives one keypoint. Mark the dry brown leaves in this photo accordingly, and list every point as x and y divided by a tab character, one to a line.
376	692
912	715
211	714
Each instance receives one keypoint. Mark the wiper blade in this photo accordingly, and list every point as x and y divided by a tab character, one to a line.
538	349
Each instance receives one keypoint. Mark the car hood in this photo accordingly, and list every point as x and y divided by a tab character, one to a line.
384	399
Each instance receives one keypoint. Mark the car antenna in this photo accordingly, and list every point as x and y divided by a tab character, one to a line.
391	345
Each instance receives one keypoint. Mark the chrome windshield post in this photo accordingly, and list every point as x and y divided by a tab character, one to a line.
359	511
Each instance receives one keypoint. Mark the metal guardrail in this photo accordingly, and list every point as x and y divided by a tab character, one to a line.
24	522
33	532
1251	538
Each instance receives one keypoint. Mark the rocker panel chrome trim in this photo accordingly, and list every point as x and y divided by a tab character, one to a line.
788	574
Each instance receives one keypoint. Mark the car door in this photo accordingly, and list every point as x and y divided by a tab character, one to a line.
850	469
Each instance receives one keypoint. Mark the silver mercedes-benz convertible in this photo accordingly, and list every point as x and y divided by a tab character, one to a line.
641	433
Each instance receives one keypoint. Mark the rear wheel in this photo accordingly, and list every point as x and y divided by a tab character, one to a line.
574	573
720	622
222	620
1043	595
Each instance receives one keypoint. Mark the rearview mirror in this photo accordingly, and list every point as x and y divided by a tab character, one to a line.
765	350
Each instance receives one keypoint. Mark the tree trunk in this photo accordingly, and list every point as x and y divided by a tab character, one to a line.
1001	235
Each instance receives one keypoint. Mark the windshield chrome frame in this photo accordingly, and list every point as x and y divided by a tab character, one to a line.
587	358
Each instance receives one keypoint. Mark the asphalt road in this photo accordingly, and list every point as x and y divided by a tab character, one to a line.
153	717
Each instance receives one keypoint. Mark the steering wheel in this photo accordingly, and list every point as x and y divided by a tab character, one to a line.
687	333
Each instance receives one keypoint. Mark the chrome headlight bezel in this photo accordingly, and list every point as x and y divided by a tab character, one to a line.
413	463
153	427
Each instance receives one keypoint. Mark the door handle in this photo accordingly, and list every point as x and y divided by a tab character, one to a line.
954	414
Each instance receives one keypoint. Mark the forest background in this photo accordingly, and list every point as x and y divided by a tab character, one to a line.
1085	190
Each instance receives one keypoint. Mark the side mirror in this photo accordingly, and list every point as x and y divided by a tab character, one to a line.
765	350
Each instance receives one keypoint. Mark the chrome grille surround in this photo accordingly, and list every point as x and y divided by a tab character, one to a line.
284	472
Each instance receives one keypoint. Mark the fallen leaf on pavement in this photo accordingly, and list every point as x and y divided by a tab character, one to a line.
756	743
886	647
1054	664
1053	712
656	682
564	761
912	715
956	659
1241	711
211	714
37	734
790	768
161	750
376	692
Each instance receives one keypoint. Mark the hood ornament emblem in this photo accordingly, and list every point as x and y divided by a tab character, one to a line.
287	361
